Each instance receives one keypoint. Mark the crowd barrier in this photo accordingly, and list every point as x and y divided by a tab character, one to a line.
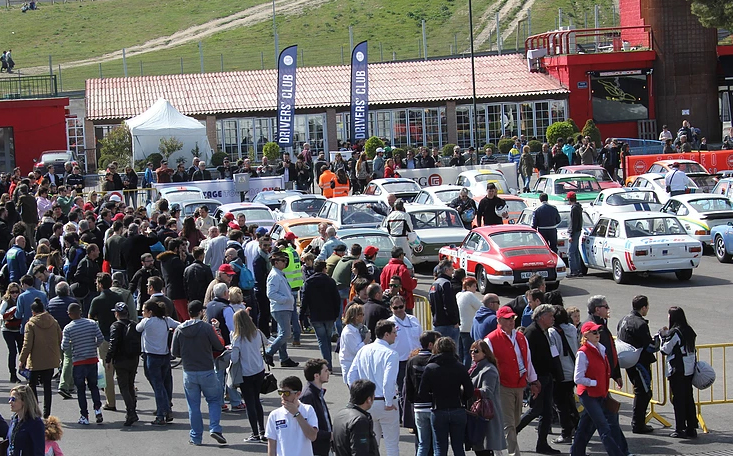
422	313
717	356
659	391
713	161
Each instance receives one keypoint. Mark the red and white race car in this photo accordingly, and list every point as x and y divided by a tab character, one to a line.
506	255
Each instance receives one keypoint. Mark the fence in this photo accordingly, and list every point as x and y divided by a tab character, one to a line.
659	391
717	356
422	313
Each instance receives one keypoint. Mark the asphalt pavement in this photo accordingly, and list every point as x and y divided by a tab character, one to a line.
706	299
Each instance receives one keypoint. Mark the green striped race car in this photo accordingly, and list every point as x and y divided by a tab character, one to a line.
557	186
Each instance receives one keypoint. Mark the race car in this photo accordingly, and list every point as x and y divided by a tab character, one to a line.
699	212
506	255
694	170
477	179
599	172
557	186
299	205
625	199
656	183
402	187
722	236
631	242
563	238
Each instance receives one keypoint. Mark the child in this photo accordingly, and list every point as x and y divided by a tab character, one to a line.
307	269
54	432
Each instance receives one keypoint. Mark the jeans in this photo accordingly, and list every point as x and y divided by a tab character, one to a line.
526	180
294	320
158	373
86	375
450	422
449	331
424	433
14	341
221	375
280	345
464	348
574	260
541	407
251	387
194	384
44	376
126	371
594	416
323	334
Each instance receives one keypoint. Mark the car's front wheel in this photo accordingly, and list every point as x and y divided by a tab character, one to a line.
720	251
684	274
619	275
482	280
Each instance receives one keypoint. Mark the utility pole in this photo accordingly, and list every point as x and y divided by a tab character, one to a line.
473	74
274	32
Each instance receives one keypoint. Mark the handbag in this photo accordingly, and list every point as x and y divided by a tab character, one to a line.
628	355
612	405
703	376
269	383
482	407
234	374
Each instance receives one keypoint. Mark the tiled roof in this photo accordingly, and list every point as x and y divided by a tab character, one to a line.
318	87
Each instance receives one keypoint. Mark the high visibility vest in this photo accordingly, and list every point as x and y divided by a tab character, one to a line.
292	271
340	189
324	181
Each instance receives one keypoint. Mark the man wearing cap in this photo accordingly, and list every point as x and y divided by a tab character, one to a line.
547	368
370	255
225	274
514	361
378	163
546	218
164	173
575	229
252	248
281	308
338	252
676	180
122	358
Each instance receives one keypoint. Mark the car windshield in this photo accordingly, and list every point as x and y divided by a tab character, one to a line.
626	198
305	230
565	221
660	182
255	213
487	179
310	206
692	168
355	213
563	186
516	206
382	242
445	218
601	175
401	187
658	226
271	197
447	196
518	239
48	158
705	182
189	209
711	204
181	196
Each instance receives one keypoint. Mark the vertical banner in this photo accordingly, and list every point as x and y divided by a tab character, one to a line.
359	93
286	96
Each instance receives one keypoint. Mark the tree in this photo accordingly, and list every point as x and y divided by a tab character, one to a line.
117	146
448	150
714	13
593	132
371	145
169	146
271	150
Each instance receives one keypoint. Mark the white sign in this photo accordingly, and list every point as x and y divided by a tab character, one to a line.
345	154
220	189
685	112
430	177
263	184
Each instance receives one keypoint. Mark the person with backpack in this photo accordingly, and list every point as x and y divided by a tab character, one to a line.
11	328
245	280
125	346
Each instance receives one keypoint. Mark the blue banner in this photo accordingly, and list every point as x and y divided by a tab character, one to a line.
359	93
286	96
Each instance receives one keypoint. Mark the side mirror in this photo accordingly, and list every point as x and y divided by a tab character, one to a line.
35	160
592	203
453	246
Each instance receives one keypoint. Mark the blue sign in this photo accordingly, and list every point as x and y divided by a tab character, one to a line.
359	93
582	84
286	95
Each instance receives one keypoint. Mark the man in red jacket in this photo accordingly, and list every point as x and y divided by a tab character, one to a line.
515	371
396	267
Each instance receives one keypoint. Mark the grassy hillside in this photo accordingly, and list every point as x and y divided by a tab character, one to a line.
76	30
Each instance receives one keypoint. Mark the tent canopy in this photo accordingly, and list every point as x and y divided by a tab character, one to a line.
162	120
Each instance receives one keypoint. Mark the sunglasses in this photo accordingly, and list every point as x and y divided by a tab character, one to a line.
397	307
12	399
284	393
15	292
394	285
595	332
475	350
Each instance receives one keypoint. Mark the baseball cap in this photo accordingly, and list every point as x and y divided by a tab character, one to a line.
290	236
371	250
233	225
261	231
380	150
118	217
590	326
571	196
121	307
227	269
505	312
115	197
229	216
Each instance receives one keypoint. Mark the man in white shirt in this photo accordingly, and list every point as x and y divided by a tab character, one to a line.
379	363
252	248
676	180
665	134
292	428
408	337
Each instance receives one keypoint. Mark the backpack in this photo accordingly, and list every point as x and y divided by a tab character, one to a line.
72	261
132	342
246	279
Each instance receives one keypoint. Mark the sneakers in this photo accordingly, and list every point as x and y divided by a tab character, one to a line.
296	343
131	419
239	408
218	437
191	442
169	417
65	394
262	437
98	416
111	408
158	421
83	420
289	363
14	378
224	408
253	438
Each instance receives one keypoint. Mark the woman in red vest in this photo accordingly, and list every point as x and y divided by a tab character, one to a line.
592	375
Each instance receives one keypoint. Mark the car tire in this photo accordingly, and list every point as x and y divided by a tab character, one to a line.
482	280
720	252
619	275
684	274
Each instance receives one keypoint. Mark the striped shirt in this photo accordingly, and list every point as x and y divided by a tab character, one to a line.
83	336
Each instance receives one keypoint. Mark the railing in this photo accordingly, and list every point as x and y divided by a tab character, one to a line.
13	88
659	391
590	41
716	356
422	313
643	146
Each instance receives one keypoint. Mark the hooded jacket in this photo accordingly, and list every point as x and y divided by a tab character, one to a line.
195	342
342	272
45	229
448	382
484	322
321	298
41	343
172	267
196	277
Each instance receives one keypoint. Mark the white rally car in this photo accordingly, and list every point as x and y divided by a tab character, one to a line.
700	212
631	242
625	199
563	238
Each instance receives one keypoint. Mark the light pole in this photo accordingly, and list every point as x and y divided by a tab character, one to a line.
473	79
274	32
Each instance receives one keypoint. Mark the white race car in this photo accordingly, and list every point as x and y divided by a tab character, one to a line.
656	183
700	212
563	238
625	199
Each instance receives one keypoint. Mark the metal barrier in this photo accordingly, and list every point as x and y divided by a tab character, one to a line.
422	312
659	391
718	393
643	146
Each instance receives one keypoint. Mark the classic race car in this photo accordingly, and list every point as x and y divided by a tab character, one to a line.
699	212
625	199
557	187
563	238
630	242
506	255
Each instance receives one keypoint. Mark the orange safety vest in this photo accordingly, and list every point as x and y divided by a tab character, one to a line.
324	181
340	189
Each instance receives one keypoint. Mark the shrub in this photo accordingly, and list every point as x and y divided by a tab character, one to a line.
156	158
490	146
271	150
505	145
169	146
117	144
371	145
398	152
574	125
105	160
448	150
558	130
591	130
218	158
535	146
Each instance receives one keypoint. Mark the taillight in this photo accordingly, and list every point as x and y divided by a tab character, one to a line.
696	249
561	243
701	232
641	252
560	269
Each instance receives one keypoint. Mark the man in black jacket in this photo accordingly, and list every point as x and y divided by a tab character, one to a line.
546	361
124	351
322	301
545	220
201	173
102	310
443	303
634	330
139	280
287	169
137	244
575	229
197	276
353	434
544	161
317	373
422	405
374	309
172	267
486	213
85	277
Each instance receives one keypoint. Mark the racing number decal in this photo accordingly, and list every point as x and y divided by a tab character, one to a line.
462	260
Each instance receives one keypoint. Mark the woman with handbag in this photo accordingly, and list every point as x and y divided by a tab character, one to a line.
592	375
485	378
247	346
679	346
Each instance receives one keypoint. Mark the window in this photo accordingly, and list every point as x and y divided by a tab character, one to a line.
342	129
659	226
432	127
600	229
494	123
7	148
263	132
463	126
480	130
540	186
472	242
300	133
231	145
383	125
400	129
315	133
557	111
613	229
483	246
416	127
75	136
620	99
247	134
542	119
509	120
527	119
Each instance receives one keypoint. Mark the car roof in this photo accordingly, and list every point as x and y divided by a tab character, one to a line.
694	196
669	162
360	232
355	199
303	221
303	196
180	188
414	207
571	176
199	202
637	215
561	208
474	172
492	229
244	205
613	191
389	180
438	188
651	176
578	167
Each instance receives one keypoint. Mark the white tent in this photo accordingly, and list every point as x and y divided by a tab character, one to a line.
162	120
